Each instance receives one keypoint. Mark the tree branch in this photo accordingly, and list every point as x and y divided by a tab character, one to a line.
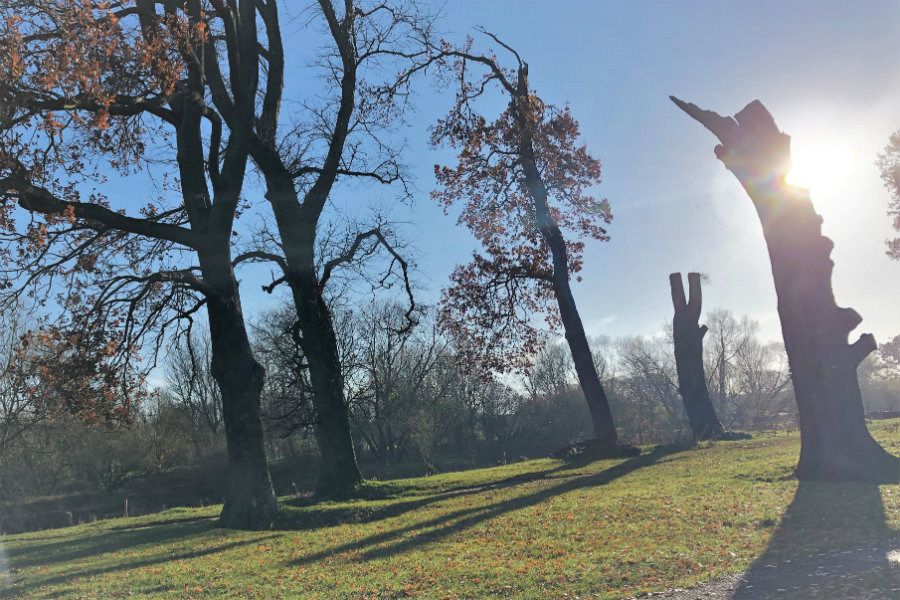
40	200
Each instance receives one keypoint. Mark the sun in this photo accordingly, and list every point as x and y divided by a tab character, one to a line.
821	168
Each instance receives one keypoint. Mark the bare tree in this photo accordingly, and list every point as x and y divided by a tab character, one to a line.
728	337
761	383
344	138
22	405
398	364
192	387
888	164
648	383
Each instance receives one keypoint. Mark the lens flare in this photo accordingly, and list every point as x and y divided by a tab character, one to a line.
821	168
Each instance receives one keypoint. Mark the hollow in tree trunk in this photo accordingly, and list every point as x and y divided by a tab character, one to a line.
688	335
835	443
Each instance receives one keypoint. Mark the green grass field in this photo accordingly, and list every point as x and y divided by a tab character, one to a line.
540	529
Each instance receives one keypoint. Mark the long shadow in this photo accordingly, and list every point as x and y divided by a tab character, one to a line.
29	555
314	514
450	523
14	590
828	529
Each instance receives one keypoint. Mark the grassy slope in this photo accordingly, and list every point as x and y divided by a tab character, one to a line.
540	529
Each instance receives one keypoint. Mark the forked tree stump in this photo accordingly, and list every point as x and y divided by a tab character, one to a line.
687	334
835	443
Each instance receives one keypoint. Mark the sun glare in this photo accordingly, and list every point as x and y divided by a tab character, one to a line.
820	168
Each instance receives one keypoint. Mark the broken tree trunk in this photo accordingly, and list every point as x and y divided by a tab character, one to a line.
835	444
687	334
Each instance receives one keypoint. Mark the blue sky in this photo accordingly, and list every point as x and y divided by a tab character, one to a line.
828	71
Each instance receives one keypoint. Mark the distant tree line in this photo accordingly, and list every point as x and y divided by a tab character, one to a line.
413	410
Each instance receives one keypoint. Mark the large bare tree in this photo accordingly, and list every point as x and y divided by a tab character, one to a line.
91	88
375	49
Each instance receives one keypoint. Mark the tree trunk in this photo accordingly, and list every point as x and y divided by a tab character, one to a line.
250	501
601	415
688	337
835	442
339	474
598	404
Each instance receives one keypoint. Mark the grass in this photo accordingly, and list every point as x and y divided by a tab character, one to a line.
541	529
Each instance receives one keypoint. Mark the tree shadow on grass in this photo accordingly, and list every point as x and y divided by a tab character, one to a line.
25	554
387	543
829	530
14	590
314	514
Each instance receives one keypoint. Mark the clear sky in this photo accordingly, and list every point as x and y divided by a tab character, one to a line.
829	71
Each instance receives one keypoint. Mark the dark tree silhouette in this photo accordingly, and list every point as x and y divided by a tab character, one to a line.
687	334
524	179
91	85
344	138
835	443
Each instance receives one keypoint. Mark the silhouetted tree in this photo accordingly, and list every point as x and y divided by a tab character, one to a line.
343	138
835	443
92	85
523	180
687	335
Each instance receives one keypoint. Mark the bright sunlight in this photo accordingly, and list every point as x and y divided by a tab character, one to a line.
821	168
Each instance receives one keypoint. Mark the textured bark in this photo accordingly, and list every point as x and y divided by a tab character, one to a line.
339	473
250	501
297	221
835	442
688	337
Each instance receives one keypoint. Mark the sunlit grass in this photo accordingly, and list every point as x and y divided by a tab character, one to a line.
540	529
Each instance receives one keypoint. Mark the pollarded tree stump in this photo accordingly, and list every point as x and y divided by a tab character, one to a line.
835	443
687	334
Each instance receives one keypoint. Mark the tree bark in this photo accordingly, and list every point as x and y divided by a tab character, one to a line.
297	222
688	338
339	473
835	444
598	404
250	501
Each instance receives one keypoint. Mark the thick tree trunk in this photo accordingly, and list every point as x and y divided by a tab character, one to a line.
835	442
250	501
339	474
688	337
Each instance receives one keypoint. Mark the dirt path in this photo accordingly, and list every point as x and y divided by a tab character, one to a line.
806	577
